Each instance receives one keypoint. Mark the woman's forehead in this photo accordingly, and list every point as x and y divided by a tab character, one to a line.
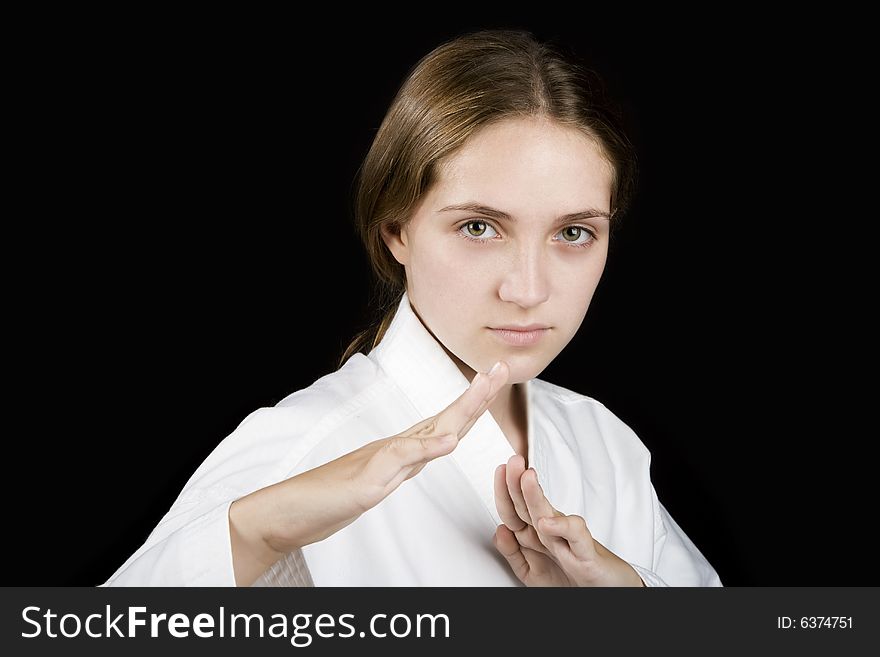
521	161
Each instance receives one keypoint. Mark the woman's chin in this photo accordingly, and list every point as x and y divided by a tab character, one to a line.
522	368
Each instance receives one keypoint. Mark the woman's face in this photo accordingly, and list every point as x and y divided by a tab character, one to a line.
514	232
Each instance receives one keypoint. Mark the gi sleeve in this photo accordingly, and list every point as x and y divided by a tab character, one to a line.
677	561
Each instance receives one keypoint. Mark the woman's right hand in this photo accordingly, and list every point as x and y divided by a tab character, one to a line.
309	507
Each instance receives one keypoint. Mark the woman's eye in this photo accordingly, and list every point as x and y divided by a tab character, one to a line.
478	229
576	236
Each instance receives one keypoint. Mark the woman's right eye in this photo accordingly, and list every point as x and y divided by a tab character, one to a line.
476	231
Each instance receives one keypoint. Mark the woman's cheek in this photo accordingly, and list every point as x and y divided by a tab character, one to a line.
464	258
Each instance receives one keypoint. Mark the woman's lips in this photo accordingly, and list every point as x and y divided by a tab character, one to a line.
519	338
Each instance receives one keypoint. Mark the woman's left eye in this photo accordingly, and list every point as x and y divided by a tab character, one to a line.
571	235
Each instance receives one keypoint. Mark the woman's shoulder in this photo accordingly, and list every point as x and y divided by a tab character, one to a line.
337	413
329	400
271	440
565	407
357	374
549	393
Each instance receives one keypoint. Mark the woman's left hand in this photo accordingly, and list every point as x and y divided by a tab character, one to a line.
545	547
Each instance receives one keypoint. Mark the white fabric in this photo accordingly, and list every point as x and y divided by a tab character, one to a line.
437	528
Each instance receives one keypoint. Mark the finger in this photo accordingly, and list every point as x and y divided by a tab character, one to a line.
573	530
532	567
496	381
515	468
461	414
393	463
485	405
506	510
539	507
507	545
528	538
536	502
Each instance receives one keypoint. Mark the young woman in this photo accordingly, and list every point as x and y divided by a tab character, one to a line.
485	204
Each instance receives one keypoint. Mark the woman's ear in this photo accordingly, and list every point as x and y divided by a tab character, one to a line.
395	239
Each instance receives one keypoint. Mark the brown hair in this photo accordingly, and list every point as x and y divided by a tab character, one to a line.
460	86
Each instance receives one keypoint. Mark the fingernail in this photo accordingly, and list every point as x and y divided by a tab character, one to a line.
495	368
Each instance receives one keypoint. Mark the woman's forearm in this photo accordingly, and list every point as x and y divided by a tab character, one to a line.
248	528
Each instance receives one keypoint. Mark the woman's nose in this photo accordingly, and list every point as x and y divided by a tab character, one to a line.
526	281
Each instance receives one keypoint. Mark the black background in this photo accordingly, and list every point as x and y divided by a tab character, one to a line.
183	254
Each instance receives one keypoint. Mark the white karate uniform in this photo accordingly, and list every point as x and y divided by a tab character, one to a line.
437	528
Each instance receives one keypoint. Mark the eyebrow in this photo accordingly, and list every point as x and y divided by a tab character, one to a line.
589	213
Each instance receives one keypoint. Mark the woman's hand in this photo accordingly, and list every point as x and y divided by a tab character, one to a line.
545	547
269	523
